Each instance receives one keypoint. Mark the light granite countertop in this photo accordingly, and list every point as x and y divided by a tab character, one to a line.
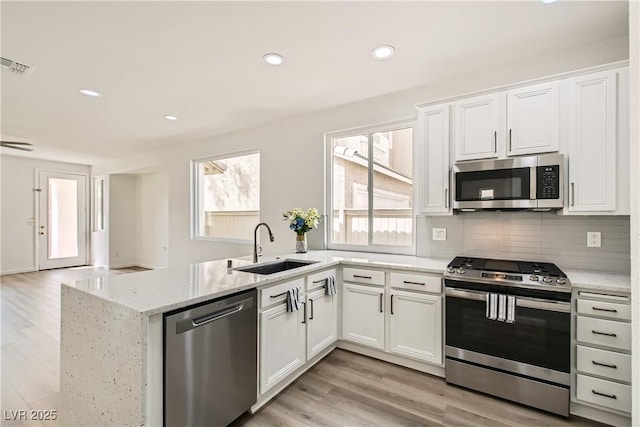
163	290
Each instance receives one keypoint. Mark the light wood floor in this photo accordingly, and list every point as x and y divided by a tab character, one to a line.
344	389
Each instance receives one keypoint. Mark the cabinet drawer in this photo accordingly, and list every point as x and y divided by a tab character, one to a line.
608	333
604	393
276	294
418	282
318	280
360	275
610	364
610	310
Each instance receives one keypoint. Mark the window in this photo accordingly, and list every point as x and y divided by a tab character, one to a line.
371	189
98	204
227	196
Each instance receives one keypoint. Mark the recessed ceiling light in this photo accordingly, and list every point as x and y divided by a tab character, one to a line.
383	52
170	117
90	92
549	1
273	58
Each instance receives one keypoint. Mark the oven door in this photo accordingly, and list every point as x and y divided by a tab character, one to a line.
536	345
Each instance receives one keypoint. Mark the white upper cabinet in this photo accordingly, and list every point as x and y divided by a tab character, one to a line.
433	155
598	118
477	124
533	119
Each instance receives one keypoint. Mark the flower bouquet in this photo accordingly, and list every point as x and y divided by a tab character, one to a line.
301	222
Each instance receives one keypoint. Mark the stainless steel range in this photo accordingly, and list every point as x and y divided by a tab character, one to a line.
508	329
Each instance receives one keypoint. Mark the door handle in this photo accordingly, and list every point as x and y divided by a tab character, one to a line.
391	303
446	198
610	396
608	310
380	303
573	194
362	277
606	365
311	302
510	145
495	141
608	334
304	313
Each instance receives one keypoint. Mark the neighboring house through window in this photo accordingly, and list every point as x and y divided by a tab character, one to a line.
227	196
371	189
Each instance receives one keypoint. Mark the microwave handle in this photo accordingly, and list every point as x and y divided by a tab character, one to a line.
533	182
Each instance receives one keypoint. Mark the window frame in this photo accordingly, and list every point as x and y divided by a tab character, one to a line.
369	131
98	225
195	199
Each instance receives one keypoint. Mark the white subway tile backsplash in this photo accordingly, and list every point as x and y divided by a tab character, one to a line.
531	236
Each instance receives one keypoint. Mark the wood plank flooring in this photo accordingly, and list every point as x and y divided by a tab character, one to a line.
344	389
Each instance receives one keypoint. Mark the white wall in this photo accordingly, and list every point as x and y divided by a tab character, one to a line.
634	58
17	211
152	222
292	150
123	206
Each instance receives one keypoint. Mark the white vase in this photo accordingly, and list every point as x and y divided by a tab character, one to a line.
301	243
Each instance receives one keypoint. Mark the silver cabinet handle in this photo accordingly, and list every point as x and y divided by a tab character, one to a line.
573	195
495	141
413	283
608	310
380	303
446	198
610	396
510	145
606	365
608	334
362	277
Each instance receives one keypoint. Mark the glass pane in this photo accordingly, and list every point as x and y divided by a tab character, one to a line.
63	218
393	187
230	196
350	195
503	184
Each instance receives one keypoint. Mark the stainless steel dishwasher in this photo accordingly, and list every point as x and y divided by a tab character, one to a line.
210	361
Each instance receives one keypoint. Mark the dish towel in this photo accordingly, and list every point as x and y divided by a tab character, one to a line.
330	285
500	307
293	299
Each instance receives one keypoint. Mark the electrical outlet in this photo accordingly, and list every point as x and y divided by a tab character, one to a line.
594	239
439	234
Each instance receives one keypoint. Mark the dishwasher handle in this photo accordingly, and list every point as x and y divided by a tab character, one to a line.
195	322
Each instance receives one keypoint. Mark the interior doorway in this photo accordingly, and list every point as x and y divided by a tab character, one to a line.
62	220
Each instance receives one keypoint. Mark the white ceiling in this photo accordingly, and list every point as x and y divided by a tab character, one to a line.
202	61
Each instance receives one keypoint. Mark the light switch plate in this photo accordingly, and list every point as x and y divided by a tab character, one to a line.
594	239
439	234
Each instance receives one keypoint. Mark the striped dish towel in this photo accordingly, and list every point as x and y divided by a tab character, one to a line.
330	285
293	299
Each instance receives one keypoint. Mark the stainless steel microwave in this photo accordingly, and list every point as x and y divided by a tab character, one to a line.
531	183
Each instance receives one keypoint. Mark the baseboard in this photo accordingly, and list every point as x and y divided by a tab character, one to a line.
117	266
601	416
148	266
17	271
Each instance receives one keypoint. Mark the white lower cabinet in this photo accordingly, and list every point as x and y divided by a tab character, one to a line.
322	321
363	315
282	344
416	326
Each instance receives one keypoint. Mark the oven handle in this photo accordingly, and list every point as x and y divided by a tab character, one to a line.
536	303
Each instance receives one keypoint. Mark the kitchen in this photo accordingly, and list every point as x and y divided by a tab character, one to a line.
303	132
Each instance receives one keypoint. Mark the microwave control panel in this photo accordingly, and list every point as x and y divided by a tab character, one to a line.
548	182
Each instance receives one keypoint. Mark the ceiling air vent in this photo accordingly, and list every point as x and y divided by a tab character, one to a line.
16	67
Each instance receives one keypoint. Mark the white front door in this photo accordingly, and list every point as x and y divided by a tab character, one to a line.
62	220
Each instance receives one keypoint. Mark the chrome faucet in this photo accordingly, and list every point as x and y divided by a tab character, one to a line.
256	254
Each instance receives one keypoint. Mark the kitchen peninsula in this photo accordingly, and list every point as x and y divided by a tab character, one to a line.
112	327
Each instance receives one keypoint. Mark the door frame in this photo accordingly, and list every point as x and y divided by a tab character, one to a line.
37	191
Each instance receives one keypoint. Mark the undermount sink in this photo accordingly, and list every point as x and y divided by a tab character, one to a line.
275	266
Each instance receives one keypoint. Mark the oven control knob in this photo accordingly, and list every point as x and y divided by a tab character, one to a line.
451	270
547	279
561	281
460	271
534	278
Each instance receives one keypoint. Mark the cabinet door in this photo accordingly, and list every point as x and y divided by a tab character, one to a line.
477	121
592	142
282	342
433	148
322	321
533	119
416	326
363	315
